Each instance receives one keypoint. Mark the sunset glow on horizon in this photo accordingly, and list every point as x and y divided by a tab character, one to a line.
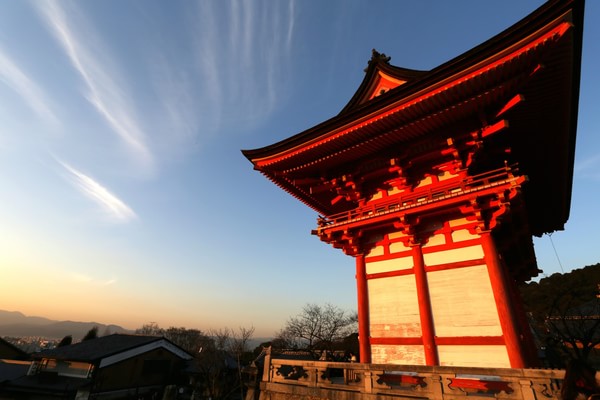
124	197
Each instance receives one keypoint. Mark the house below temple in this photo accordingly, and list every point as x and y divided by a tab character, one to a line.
108	367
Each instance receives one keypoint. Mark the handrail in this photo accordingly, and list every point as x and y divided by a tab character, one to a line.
452	188
439	383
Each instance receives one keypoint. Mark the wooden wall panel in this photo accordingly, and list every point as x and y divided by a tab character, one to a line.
458	222
435	240
393	307
376	196
445	175
397	354
424	182
376	251
396	235
394	264
398	247
462	234
474	356
456	255
463	303
394	190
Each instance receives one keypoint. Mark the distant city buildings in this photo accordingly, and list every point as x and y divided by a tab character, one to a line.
32	344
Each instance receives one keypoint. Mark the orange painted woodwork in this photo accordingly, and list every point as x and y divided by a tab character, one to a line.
433	181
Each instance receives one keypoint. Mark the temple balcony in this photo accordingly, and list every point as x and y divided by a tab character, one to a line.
301	379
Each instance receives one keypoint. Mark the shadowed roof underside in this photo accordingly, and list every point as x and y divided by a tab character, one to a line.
538	59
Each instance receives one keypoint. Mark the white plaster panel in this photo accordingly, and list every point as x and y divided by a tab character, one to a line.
458	222
396	235
425	182
462	234
393	190
436	240
376	251
445	175
394	307
394	264
397	354
474	356
462	303
454	255
398	247
377	196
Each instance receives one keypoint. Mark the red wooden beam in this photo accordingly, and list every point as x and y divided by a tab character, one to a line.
498	126
508	320
363	310
406	341
470	341
425	313
511	103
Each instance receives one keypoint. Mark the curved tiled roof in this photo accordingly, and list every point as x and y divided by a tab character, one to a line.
94	350
538	59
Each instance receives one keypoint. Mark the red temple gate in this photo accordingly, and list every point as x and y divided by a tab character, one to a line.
435	181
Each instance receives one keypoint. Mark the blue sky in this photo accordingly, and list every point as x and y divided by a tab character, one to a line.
124	197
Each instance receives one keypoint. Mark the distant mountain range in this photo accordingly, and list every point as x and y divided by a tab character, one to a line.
15	323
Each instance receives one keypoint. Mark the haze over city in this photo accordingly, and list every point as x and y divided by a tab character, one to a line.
124	197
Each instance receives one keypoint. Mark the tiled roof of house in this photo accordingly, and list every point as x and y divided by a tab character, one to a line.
50	386
96	349
10	370
9	350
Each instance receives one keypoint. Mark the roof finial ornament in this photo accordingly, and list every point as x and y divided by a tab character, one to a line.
377	57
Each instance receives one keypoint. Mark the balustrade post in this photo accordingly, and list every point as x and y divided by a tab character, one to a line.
368	379
321	376
267	366
527	390
437	387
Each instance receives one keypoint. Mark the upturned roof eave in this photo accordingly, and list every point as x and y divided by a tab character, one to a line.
509	37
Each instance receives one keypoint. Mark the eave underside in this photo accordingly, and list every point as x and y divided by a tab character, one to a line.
541	133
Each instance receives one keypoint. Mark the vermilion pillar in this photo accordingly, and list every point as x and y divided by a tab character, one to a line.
502	295
425	313
363	310
527	342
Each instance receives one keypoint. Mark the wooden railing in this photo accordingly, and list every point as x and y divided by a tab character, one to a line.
323	378
453	188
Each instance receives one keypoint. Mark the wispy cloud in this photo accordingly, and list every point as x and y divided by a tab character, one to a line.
86	279
80	278
588	167
242	50
28	90
114	207
178	105
95	65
